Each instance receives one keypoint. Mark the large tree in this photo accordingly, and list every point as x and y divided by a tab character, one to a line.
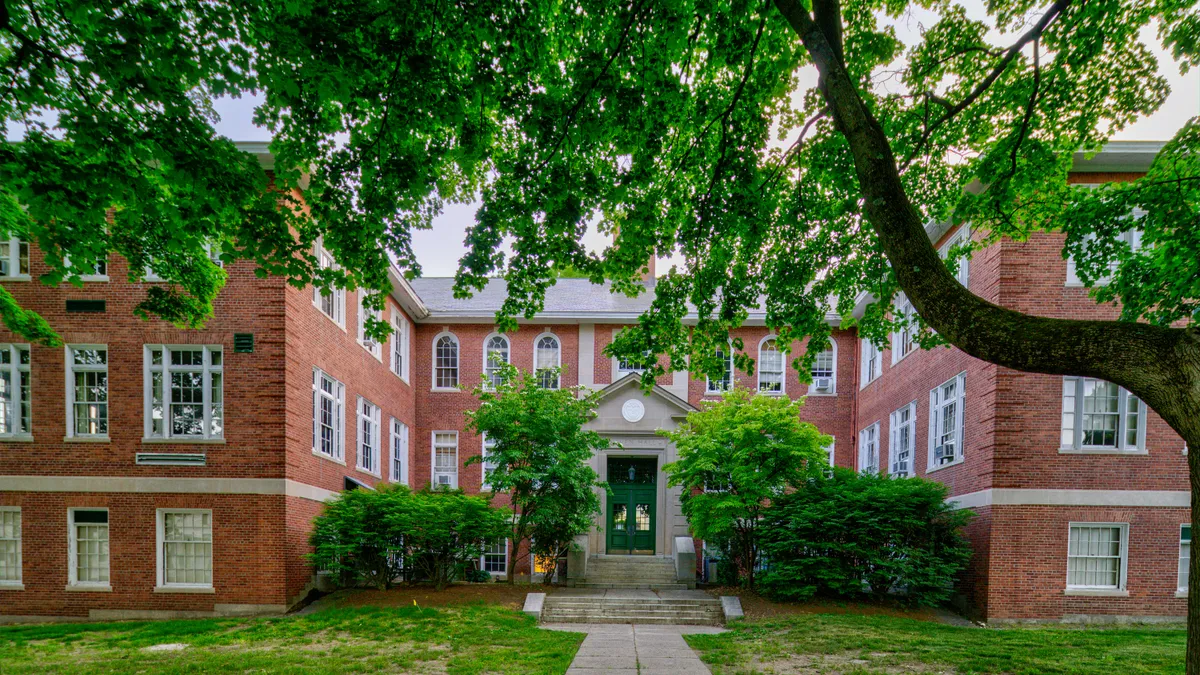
661	118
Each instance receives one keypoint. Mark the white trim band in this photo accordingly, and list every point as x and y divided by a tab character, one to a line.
214	486
1024	497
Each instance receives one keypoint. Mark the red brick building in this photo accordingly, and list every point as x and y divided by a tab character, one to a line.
147	471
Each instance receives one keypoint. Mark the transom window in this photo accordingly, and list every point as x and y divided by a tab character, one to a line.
89	547
14	258
445	362
723	383
185	553
495	557
329	396
364	313
824	372
401	334
399	452
770	367
547	357
14	390
445	459
10	545
868	449
368	436
333	302
1185	556
495	357
1096	556
902	431
946	422
1100	415
184	388
902	339
87	391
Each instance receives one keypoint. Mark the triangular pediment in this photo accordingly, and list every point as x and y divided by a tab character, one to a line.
659	398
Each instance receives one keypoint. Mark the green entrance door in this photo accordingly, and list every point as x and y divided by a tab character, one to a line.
632	505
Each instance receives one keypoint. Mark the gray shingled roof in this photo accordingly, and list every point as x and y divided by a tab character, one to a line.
569	297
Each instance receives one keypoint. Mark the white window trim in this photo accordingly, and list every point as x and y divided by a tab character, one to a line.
377	449
17	584
373	347
903	307
487	380
339	294
73	582
832	450
962	235
147	394
159	543
708	385
538	366
339	444
70	393
433	386
1122	447
403	438
402	345
1120	590
894	440
15	369
483	453
507	554
433	458
833	379
862	447
93	275
866	347
1131	237
959	420
782	362
618	371
1182	591
14	260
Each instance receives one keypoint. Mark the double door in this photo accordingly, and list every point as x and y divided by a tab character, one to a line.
632	506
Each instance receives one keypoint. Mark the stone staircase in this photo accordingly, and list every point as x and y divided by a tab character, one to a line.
631	572
689	608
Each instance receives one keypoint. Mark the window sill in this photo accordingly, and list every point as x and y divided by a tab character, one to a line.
770	393
87	588
1102	451
1096	592
185	589
17	277
378	357
94	277
1182	593
335	460
86	439
182	441
18	586
16	439
445	389
372	474
939	467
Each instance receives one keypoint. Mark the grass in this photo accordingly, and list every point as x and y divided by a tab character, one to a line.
847	643
466	640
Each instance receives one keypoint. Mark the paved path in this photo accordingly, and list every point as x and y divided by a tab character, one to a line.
620	649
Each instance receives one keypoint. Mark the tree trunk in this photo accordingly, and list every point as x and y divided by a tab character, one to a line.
1160	365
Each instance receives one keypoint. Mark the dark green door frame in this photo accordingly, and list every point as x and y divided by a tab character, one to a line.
632	505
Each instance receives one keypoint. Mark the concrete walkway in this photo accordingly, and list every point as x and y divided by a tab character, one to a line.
624	649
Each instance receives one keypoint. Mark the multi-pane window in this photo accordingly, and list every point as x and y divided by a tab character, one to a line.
489	463
824	372
184	388
770	367
725	381
10	545
946	422
329	397
364	313
547	357
495	357
185	548
1099	415
445	459
399	452
445	362
902	339
872	363
89	547
829	449
14	258
961	237
87	390
1096	556
902	432
868	449
401	334
495	557
1130	238
1185	556
14	390
369	430
332	303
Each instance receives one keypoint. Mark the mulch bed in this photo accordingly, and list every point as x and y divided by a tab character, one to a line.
757	607
511	596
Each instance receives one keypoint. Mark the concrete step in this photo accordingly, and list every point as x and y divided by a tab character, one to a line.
647	617
633	586
572	602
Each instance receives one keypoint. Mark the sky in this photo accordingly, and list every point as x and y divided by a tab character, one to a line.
439	258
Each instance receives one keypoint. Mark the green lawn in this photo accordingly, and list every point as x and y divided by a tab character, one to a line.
848	643
465	640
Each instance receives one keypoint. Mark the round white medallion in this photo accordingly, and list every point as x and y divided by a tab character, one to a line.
633	410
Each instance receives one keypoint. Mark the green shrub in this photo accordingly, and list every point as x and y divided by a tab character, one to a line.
478	576
371	536
862	536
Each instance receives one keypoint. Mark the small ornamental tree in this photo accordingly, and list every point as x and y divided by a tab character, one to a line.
539	453
735	456
856	536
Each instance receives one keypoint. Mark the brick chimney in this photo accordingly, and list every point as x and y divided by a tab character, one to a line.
648	277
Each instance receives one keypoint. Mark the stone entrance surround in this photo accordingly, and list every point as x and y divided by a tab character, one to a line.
623	649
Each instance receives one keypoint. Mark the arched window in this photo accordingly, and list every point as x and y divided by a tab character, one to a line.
495	355
445	362
770	367
547	357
